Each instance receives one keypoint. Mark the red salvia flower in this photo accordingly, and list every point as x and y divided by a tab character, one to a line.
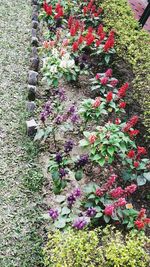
131	154
109	96
104	80
141	214
114	82
117	192
108	73
130	189
122	104
136	164
139	224
122	90
141	150
75	46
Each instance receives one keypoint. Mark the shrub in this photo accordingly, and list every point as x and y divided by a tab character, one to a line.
132	46
89	248
73	249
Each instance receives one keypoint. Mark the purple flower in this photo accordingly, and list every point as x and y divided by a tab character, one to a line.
53	214
77	192
82	161
74	118
61	94
71	199
91	212
58	157
43	117
58	119
63	172
80	223
72	109
73	196
68	146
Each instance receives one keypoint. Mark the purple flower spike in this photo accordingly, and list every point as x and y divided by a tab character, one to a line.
63	172
58	119
80	223
77	192
72	109
71	199
61	94
91	212
82	161
74	118
53	214
43	117
68	146
58	157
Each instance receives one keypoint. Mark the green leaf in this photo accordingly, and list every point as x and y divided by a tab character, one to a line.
61	223
141	180
39	135
111	150
99	215
79	175
101	162
147	176
65	211
83	143
106	218
91	196
55	176
130	225
60	198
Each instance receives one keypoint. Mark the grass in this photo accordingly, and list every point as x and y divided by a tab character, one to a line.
21	177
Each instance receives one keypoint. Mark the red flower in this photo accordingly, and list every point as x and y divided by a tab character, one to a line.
75	46
85	10
141	214
122	104
99	192
130	123
102	36
81	39
131	154
72	31
122	90
70	21
97	102
133	132
100	29
98	42
90	39
141	150
109	209
147	220
136	164
92	139
114	82
47	8
139	224
108	73
109	43
109	96
117	192
117	121
104	80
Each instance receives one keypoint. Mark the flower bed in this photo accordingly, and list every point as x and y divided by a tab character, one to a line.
95	165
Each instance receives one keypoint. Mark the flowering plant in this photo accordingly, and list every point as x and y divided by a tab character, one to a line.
55	117
107	143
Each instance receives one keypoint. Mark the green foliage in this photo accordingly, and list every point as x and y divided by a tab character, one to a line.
132	46
84	249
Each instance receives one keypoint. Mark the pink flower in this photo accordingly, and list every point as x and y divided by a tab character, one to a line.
117	192
109	209
99	192
121	202
104	80
108	73
92	139
141	214
114	82
97	76
117	121
97	102
122	90
130	189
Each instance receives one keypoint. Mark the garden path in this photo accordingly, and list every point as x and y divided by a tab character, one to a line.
19	213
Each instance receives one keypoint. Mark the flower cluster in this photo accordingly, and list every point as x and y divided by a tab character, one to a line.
71	199
57	13
142	220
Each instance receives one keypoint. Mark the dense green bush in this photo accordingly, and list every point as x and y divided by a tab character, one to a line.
95	248
132	44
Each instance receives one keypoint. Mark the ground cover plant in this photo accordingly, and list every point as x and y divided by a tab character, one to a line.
96	165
